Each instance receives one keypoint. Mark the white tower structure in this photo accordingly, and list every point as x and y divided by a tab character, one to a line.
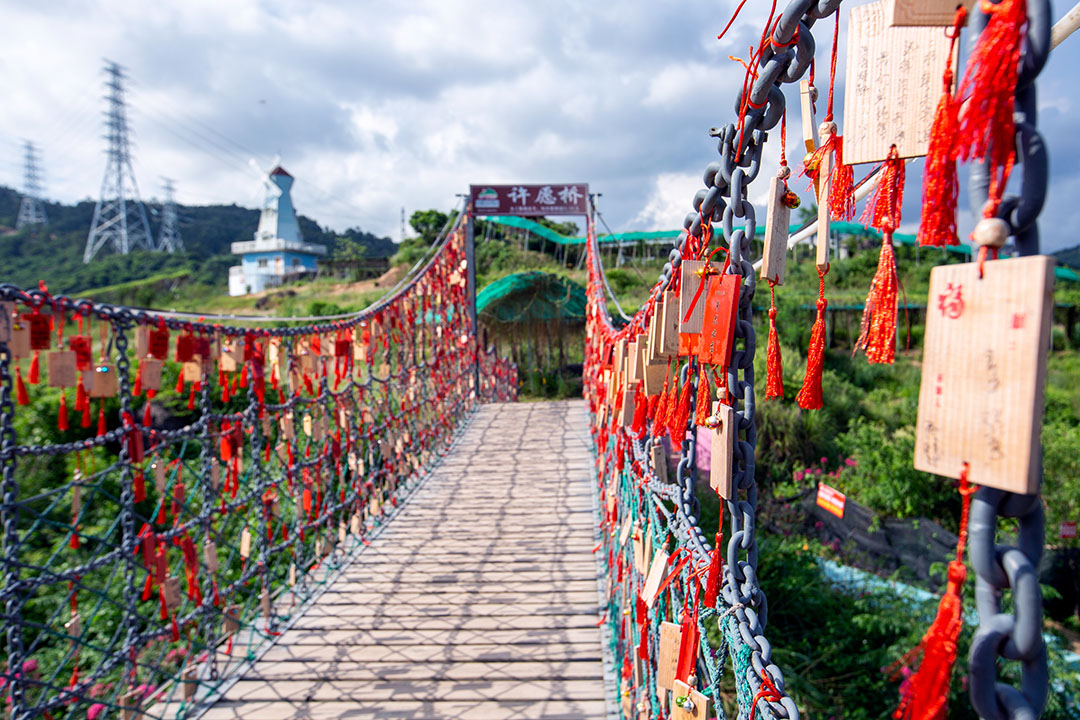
278	253
119	216
169	238
31	209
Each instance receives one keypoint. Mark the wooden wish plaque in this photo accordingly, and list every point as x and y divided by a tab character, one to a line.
777	217
893	85
692	295
669	325
940	13
984	365
721	450
668	654
657	570
721	314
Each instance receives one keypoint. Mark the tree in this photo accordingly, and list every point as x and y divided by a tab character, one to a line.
428	224
345	248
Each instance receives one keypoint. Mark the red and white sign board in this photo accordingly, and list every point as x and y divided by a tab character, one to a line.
1068	530
831	499
552	199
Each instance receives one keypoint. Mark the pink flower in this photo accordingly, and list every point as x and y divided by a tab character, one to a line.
800	475
824	460
850	462
95	711
30	666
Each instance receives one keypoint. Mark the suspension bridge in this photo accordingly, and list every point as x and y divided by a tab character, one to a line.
350	516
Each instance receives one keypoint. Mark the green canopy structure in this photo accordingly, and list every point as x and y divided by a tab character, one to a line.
531	298
537	313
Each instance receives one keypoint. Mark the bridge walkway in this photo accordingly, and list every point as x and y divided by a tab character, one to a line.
478	600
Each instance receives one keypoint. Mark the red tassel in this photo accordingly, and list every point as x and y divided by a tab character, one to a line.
925	694
680	416
878	332
842	183
307	384
883	212
774	367
101	428
809	397
654	402
940	186
704	407
85	413
175	635
22	397
136	389
689	645
641	407
139	487
987	128
712	582
660	417
62	416
180	382
195	387
147	420
35	368
74	542
224	392
81	398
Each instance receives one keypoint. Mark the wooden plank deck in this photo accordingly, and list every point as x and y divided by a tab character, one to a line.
479	600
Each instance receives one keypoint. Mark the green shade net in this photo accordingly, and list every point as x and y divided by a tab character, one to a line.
531	298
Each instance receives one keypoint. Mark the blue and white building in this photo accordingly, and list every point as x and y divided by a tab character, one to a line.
278	253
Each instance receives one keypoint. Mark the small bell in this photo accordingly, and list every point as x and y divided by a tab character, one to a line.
790	200
811	162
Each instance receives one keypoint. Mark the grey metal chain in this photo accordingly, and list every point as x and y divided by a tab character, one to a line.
1015	635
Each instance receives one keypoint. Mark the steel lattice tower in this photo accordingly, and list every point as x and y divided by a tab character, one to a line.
119	216
31	210
169	238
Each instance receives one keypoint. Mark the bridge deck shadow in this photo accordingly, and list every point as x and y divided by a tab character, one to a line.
477	601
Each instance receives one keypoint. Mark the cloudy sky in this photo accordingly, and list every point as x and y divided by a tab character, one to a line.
378	106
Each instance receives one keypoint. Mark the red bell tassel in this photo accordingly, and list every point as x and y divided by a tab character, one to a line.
809	397
940	186
35	369
62	415
689	645
986	126
101	427
704	407
926	693
22	397
774	366
712	582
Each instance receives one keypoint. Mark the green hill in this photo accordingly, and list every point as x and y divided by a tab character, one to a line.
55	254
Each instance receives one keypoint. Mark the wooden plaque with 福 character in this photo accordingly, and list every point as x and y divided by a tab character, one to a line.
984	366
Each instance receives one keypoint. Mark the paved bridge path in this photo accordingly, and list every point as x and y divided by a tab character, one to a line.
479	600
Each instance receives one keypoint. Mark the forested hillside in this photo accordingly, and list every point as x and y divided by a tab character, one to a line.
55	254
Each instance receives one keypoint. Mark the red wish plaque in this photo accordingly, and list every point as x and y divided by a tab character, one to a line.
831	499
721	309
1067	530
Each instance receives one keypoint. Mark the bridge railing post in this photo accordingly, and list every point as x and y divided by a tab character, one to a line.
470	294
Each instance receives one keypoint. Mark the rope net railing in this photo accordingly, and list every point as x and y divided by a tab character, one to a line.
174	491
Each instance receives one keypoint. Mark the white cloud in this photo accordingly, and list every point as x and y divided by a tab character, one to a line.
375	106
